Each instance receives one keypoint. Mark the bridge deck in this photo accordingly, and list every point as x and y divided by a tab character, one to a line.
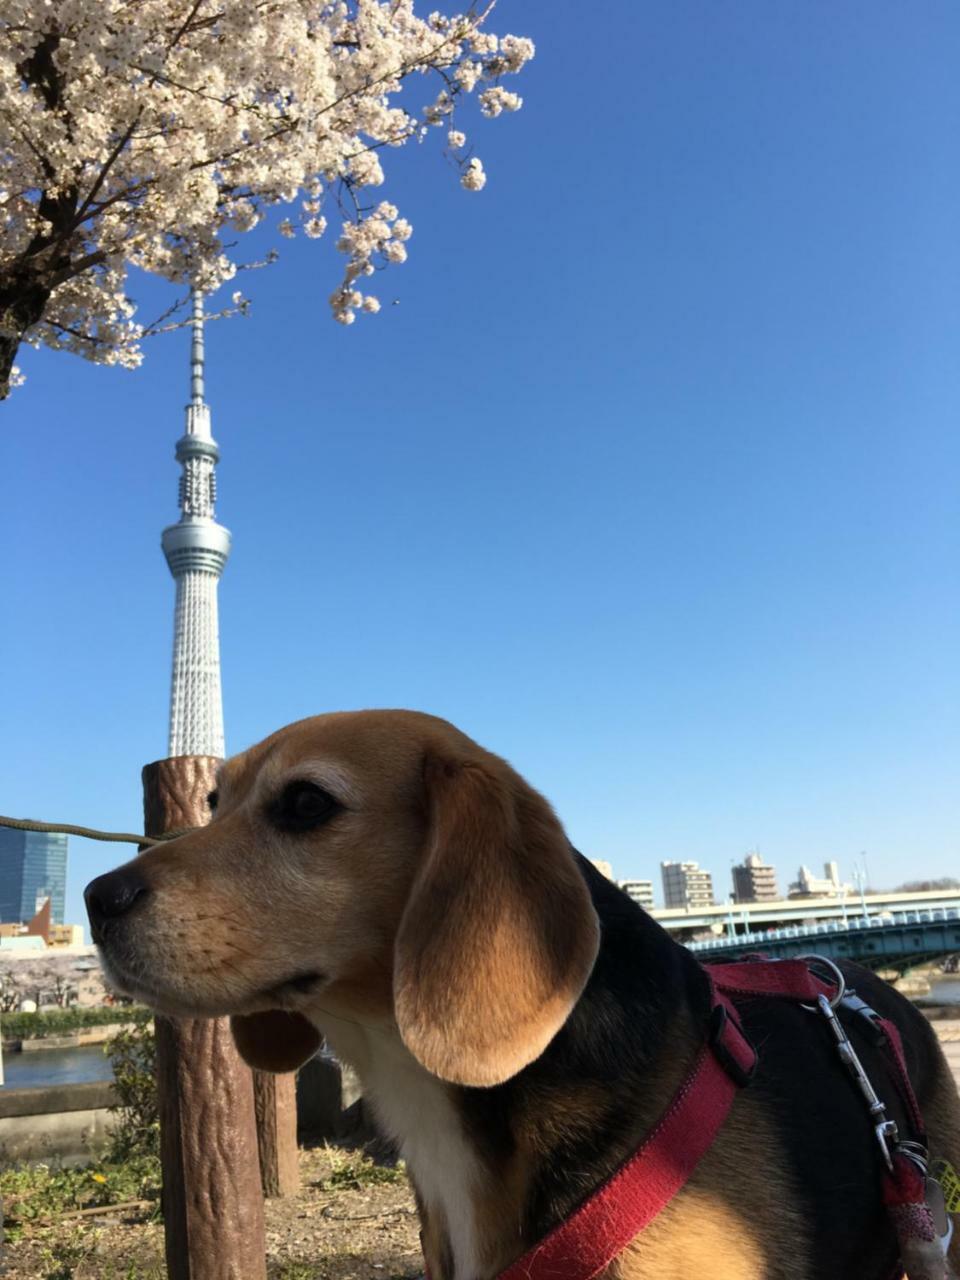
904	939
796	910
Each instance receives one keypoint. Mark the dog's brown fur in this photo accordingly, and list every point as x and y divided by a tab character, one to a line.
440	919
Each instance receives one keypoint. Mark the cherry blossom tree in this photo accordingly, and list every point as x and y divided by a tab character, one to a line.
50	977
11	992
150	133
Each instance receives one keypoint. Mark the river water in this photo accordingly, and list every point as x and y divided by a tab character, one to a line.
56	1066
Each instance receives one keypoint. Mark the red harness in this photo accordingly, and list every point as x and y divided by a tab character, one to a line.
586	1242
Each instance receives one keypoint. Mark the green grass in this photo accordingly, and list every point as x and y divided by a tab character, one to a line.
61	1260
43	1193
352	1172
133	1271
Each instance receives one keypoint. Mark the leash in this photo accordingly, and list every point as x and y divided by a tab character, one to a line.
913	1199
90	833
595	1233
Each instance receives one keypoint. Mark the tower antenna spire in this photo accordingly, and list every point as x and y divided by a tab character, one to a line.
196	548
196	348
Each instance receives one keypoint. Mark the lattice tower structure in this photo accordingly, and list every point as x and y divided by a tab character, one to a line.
196	548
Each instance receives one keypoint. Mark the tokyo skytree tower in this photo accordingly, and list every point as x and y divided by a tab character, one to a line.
196	548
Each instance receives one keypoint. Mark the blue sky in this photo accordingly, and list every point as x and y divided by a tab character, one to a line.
649	482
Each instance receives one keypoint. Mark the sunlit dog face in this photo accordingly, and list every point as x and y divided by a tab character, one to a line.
293	886
378	866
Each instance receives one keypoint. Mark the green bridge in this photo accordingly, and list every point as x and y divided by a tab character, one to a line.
901	941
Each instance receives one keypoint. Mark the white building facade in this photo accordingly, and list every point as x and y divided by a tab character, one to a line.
686	885
641	891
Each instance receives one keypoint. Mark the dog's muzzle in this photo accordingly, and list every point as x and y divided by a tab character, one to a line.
111	897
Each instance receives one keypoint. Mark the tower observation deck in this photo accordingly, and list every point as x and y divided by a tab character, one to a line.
196	548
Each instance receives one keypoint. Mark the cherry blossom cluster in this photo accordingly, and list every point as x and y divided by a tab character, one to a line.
149	133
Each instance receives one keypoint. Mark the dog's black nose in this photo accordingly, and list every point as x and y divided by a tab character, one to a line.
113	895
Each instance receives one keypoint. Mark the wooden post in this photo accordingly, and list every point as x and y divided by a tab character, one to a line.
212	1204
275	1098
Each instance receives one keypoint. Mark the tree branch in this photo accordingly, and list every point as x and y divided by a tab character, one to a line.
107	166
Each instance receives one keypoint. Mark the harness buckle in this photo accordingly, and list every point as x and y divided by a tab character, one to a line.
721	1031
867	1019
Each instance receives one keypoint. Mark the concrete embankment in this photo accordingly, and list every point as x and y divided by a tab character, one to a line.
69	1123
66	1123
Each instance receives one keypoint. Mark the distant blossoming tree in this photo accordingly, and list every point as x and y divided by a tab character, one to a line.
150	132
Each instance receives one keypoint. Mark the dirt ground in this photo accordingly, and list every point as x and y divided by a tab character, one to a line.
352	1220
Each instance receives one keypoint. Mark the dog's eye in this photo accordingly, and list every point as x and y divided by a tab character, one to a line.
212	799
302	806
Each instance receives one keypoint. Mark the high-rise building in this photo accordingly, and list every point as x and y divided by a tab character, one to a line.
754	880
196	548
641	891
33	868
807	885
685	885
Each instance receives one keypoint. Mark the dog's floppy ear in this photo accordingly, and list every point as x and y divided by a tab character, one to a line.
276	1041
498	936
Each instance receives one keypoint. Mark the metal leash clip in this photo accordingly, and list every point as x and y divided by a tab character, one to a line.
829	973
885	1130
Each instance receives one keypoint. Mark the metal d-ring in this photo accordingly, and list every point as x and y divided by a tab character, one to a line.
834	973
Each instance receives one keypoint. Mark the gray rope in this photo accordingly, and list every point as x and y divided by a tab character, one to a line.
69	829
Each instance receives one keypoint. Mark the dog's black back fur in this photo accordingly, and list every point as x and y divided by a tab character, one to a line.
646	990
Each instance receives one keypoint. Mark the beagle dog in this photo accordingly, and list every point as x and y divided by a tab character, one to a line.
379	880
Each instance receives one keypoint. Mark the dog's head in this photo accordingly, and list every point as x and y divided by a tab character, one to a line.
376	866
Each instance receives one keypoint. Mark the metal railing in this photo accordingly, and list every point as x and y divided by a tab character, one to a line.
761	938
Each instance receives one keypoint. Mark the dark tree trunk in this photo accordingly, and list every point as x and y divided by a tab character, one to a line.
23	298
26	288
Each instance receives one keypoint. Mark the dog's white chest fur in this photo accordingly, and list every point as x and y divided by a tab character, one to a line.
413	1108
